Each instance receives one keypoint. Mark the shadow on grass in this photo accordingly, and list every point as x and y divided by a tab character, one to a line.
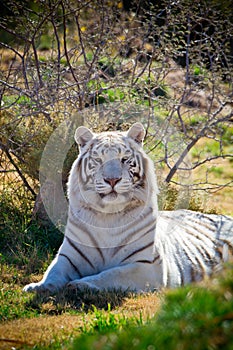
74	300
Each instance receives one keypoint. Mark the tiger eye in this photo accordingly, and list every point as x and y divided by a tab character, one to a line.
96	157
124	159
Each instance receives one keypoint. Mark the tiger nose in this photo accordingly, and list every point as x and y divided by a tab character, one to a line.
113	181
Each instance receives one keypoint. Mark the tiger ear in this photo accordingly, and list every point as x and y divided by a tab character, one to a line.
83	135
137	132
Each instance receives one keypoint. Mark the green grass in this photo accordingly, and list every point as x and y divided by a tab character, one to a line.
13	303
24	242
104	322
191	318
217	170
227	135
18	100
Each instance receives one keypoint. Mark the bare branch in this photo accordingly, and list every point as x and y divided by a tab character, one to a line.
21	175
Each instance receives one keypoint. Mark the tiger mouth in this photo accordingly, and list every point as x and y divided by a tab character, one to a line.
109	196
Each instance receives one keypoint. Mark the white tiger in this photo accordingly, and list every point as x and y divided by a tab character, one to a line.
115	238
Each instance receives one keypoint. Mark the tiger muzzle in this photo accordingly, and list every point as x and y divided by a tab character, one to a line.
112	172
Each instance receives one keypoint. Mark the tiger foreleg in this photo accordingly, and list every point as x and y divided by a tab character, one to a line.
136	277
55	278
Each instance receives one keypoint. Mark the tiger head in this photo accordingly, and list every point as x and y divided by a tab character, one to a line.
112	172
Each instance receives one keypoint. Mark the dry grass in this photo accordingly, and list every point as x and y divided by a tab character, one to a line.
218	172
44	330
41	330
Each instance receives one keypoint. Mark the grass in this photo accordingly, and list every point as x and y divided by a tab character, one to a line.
194	317
198	316
29	320
217	172
24	242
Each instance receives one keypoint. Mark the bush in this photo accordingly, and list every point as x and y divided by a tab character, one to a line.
23	241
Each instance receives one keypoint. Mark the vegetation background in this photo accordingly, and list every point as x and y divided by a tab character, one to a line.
165	63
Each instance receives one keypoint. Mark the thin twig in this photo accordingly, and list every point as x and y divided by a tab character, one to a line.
4	148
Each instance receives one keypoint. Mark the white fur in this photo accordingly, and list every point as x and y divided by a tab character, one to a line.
110	231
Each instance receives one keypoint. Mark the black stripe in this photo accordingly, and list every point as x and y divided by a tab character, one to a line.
186	251
128	238
198	236
219	249
101	253
193	274
201	269
204	253
148	261
83	228
80	252
202	263
138	251
209	223
210	219
230	247
191	265
201	246
197	232
180	268
74	267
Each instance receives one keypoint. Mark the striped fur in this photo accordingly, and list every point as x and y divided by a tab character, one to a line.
115	237
192	245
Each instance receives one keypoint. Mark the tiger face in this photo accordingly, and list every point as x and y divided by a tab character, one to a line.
111	168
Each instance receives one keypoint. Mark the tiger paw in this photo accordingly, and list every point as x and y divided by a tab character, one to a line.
81	286
38	288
